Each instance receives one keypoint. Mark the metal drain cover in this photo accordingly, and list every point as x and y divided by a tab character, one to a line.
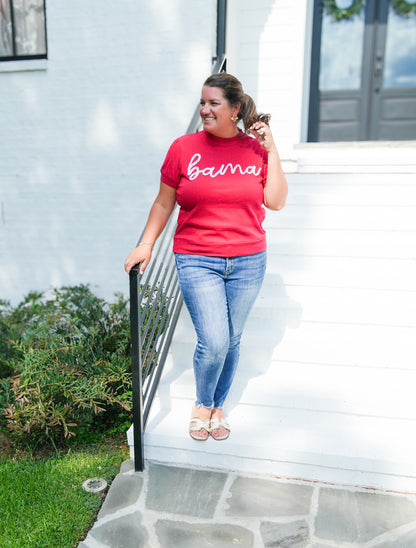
94	485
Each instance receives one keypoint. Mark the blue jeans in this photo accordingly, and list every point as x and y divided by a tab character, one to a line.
219	293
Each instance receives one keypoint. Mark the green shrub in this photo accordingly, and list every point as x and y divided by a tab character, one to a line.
6	338
65	365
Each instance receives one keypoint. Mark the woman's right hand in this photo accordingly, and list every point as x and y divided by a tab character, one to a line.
141	254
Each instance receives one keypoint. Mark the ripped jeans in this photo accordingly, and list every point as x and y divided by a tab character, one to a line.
219	293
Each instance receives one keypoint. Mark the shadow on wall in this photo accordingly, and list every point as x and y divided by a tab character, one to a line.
84	138
274	312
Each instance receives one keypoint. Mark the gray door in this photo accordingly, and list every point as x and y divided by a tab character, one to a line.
363	75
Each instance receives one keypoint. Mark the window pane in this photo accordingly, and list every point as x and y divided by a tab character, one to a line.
6	41
29	17
400	63
341	52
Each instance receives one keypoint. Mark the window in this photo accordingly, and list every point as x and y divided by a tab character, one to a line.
22	30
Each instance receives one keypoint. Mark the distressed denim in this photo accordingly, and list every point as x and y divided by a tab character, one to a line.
219	293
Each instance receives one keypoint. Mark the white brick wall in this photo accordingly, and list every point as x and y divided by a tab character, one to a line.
82	139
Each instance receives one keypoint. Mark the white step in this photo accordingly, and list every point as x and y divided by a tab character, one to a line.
318	387
347	189
341	243
341	272
325	385
280	439
344	218
297	304
313	343
307	420
280	370
357	157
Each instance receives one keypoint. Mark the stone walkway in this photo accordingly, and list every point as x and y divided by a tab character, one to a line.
168	506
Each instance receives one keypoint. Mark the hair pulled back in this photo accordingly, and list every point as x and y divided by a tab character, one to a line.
233	92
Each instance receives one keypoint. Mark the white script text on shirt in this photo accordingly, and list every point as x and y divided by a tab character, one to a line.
194	170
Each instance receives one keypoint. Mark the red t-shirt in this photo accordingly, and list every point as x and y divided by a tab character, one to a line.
219	187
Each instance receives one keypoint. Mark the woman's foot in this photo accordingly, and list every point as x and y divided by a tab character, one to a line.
199	425
218	426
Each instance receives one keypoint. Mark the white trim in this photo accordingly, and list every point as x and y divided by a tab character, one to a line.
26	65
307	59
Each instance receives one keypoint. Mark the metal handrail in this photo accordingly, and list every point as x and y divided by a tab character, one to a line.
155	305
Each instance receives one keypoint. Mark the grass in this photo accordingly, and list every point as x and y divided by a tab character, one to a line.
42	502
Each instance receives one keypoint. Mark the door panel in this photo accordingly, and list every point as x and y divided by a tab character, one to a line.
393	105
339	116
397	120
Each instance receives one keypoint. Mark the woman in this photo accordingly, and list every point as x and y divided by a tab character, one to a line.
221	177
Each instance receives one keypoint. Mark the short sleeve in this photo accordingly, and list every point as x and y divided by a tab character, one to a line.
170	170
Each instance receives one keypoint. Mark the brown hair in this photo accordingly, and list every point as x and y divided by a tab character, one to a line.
233	92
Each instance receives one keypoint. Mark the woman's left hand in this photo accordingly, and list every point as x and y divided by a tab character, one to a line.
263	134
275	189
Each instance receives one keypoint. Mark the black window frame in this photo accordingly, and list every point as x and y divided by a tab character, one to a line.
24	57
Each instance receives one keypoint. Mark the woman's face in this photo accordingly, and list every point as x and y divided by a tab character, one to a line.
216	113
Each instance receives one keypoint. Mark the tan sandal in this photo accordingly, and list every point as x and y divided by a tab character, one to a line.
196	425
215	425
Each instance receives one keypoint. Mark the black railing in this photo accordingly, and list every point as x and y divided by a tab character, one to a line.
155	304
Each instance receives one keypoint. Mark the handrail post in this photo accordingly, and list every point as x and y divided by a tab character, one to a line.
136	369
221	27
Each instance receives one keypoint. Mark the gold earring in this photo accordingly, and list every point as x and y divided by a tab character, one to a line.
234	118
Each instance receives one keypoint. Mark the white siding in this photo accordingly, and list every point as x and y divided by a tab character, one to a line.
83	137
266	46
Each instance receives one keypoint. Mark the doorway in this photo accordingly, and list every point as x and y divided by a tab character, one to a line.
363	71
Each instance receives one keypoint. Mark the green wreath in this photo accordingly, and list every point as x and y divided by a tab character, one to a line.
338	14
403	8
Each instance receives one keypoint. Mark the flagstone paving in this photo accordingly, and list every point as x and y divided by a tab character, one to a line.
169	506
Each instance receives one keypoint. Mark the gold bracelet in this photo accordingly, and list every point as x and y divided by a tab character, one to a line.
146	243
